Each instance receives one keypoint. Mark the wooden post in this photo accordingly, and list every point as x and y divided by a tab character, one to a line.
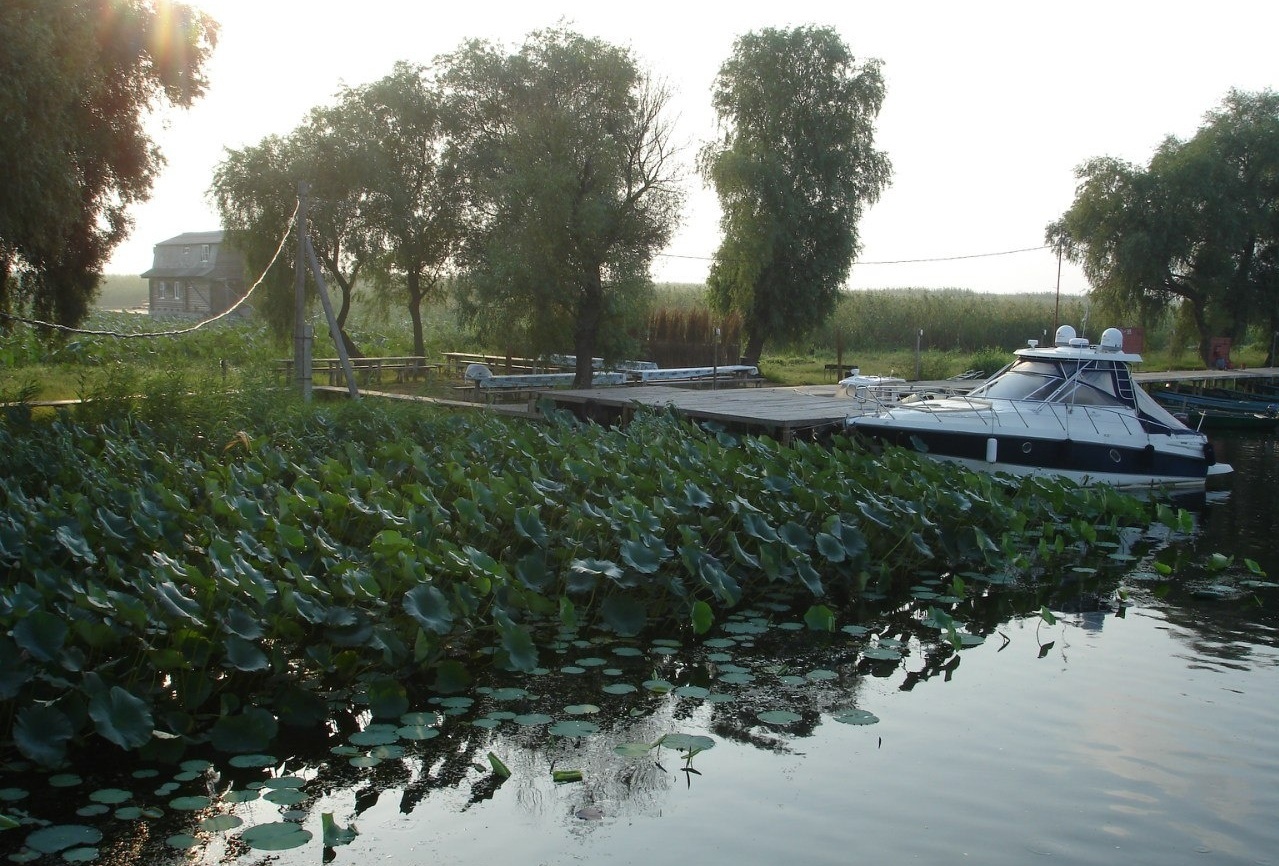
334	330
301	355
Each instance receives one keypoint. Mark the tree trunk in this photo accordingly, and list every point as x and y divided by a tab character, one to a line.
754	347
590	310
415	312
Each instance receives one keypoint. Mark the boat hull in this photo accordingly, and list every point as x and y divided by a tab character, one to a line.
1159	462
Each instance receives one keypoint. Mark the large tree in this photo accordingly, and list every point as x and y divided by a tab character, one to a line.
256	189
572	190
414	192
77	81
1197	228
794	167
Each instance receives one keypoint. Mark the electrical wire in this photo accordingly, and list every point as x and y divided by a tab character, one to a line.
90	332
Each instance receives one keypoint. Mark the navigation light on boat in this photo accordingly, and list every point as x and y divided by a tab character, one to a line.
1064	335
1034	344
1112	340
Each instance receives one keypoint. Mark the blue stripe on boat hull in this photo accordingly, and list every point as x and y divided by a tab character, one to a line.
1049	455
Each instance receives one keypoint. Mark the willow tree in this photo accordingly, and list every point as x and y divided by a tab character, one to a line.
794	167
1197	229
414	193
571	190
256	189
78	79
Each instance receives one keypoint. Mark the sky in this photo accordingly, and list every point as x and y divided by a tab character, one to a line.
990	106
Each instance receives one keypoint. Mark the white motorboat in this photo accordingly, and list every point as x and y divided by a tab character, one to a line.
1071	409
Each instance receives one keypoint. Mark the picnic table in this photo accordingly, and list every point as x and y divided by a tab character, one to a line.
405	367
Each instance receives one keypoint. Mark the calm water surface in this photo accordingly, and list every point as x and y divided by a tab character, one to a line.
1139	734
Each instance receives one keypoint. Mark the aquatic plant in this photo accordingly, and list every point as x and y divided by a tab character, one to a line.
212	584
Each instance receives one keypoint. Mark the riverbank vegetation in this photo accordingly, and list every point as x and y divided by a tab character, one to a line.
205	567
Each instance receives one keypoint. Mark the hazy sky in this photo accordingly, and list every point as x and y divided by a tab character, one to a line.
990	106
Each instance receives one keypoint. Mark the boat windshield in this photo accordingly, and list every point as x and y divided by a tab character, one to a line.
1024	380
1087	383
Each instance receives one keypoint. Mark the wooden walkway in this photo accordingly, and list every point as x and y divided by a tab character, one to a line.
780	412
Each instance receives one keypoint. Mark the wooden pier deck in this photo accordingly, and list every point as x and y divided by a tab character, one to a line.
782	412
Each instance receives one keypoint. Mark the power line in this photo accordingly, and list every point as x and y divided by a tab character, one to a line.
90	332
895	261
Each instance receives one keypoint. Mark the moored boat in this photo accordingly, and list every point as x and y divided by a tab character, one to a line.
1071	410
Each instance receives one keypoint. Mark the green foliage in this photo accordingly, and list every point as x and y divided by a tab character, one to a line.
1194	230
77	81
793	168
567	155
165	565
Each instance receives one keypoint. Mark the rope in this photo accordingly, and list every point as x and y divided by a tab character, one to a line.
66	329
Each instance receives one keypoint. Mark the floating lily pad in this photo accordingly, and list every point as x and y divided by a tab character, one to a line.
736	678
65	780
632	750
719	657
573	728
692	691
778	717
50	840
630	651
572	669
375	735
427	718
821	674
666	641
182	841
278	782
687	742
856	717
240	796
276	836
166	789
884	654
12	795
665	650
791	626
582	709
111	796
250	761
966	639
855	630
720	698
619	689
289	797
792	680
364	761
720	643
219	823
128	813
589	813
145	773
592	662
659	686
487	723
457	702
529	720
510	694
80	855
189	804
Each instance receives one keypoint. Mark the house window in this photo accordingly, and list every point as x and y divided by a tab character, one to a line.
177	291
186	253
162	291
204	253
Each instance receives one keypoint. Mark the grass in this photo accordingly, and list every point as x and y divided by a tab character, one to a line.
976	328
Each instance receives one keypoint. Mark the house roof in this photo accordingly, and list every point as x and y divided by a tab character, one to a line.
178	273
188	238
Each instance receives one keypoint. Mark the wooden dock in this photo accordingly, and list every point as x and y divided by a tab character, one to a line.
782	412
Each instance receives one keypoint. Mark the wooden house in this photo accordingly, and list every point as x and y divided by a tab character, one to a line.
195	274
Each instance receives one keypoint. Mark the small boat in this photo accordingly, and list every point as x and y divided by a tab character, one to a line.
1070	409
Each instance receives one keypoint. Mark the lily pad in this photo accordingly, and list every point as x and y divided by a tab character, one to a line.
778	717
687	742
856	717
219	823
50	840
573	728
529	720
276	836
619	689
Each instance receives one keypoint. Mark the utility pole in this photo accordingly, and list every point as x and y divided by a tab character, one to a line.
302	336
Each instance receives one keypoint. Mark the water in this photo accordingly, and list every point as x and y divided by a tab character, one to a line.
1140	734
